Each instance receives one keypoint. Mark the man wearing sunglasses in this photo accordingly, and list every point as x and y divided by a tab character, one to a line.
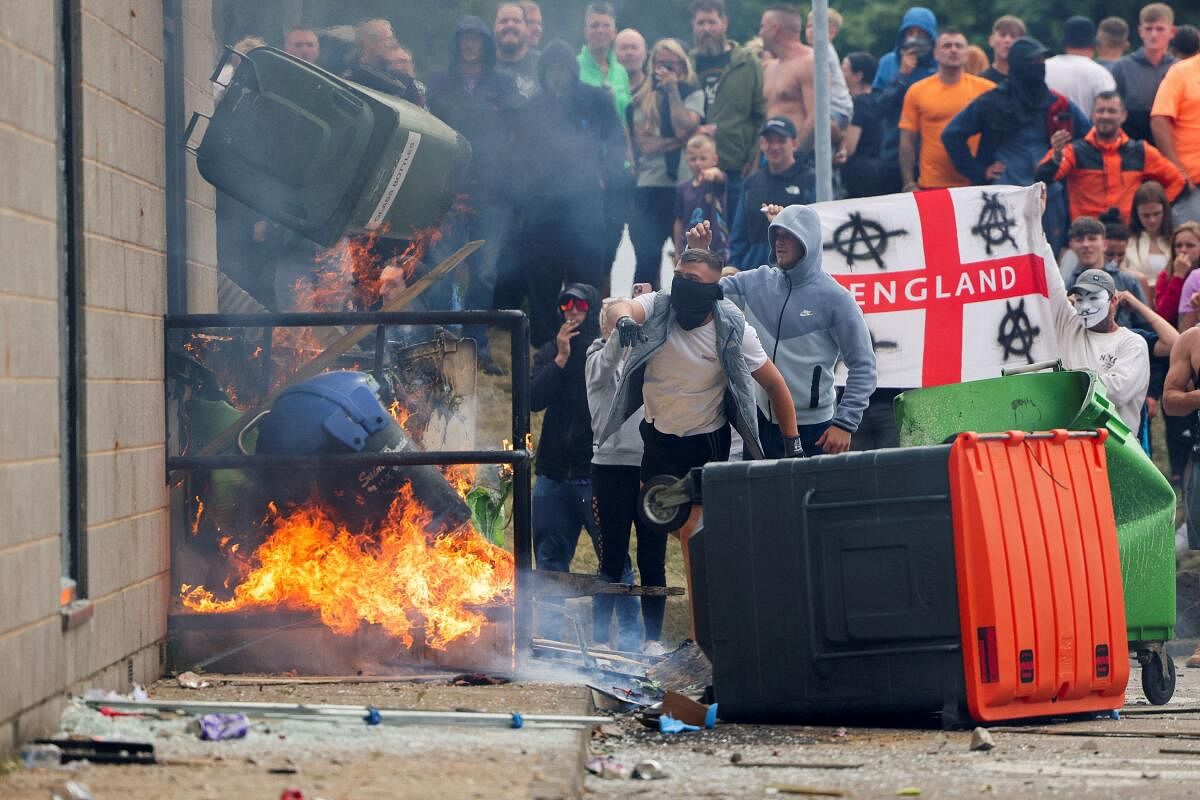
562	495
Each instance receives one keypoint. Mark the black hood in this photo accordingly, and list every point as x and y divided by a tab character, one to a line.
489	43
591	295
557	53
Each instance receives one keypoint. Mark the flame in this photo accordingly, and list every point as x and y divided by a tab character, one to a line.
395	577
199	514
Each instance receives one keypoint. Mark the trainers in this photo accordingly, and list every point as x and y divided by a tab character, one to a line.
653	647
1194	659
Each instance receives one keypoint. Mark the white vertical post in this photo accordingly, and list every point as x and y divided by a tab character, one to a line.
822	145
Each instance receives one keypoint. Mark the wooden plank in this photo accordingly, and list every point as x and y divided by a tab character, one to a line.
329	356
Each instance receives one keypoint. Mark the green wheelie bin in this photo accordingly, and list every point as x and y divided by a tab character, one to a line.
1028	399
326	157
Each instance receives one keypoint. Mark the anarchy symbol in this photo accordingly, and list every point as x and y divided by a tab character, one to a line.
1017	333
994	223
859	239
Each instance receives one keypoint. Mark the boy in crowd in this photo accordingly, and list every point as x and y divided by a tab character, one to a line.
702	196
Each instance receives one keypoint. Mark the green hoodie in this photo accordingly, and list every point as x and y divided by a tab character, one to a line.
617	81
738	110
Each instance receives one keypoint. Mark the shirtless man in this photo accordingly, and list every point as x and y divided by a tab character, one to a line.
788	80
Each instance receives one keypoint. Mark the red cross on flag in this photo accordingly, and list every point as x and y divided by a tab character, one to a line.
952	281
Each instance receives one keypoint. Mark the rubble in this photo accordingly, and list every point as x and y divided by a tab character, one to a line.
982	740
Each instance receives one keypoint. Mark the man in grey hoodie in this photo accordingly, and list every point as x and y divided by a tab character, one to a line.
806	322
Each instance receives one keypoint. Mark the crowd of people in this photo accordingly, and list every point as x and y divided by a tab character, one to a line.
706	146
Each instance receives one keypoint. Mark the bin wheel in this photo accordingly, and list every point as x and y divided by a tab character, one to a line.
663	504
1158	676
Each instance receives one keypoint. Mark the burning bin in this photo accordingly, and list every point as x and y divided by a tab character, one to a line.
896	582
340	412
326	157
1143	501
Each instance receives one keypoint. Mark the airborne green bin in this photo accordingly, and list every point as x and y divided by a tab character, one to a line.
1143	501
326	157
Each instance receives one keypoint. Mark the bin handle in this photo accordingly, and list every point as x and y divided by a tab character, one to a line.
226	54
1055	365
187	132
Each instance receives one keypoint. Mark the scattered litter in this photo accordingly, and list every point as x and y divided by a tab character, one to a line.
478	679
292	794
71	790
41	756
910	791
649	771
373	716
607	767
138	694
101	751
285	770
216	727
840	733
114	713
605	700
687	710
813	791
668	724
982	740
794	764
1115	714
190	680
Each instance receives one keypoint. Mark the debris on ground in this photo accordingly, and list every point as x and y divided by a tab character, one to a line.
607	767
190	680
649	770
218	727
478	679
982	740
812	791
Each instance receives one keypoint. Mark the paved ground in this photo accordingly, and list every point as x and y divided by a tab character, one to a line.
1102	757
889	762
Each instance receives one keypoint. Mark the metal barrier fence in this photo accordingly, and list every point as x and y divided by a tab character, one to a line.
520	458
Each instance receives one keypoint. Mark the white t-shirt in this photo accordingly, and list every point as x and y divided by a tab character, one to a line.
684	388
1079	79
1120	358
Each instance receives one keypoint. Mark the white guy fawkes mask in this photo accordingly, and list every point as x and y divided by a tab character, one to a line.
1091	306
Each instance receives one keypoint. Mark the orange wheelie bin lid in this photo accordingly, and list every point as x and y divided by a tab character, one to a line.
1041	604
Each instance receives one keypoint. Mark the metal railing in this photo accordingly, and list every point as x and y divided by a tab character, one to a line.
520	458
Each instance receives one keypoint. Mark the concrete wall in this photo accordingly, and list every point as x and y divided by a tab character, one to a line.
124	277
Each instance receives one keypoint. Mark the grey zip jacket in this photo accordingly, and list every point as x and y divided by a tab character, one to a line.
739	392
603	370
806	320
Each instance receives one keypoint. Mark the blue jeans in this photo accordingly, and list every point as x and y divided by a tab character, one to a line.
560	509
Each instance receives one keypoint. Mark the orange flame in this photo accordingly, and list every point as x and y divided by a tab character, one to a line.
199	514
394	577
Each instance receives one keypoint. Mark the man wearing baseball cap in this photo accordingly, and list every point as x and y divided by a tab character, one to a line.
1089	338
784	182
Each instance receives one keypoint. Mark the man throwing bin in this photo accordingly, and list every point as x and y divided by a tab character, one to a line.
807	321
693	365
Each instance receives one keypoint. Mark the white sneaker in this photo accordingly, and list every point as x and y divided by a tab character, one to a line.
653	647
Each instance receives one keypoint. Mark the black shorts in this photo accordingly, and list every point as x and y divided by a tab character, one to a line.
666	454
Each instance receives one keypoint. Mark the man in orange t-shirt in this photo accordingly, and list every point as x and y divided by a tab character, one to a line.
1175	121
929	105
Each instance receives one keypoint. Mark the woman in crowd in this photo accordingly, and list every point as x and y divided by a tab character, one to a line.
1150	224
665	112
1179	296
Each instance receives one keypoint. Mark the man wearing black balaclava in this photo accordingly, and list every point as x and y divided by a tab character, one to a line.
562	495
693	366
1015	122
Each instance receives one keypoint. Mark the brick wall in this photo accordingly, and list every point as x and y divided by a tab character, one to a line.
124	279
